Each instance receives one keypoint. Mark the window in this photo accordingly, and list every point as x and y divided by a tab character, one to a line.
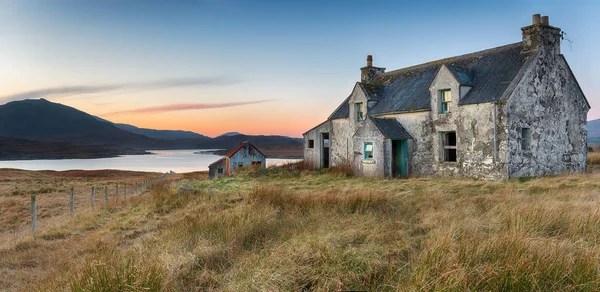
240	164
368	150
256	163
219	170
525	139
446	101
311	143
449	146
358	111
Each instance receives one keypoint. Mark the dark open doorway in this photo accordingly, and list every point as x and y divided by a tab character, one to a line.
325	150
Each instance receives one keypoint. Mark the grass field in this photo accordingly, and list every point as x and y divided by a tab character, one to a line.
302	230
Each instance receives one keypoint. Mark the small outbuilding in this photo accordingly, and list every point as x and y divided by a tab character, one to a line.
244	155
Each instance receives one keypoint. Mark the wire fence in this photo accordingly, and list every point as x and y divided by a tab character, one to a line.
100	196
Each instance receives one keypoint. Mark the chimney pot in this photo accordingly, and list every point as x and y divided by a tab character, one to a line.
369	61
535	19
545	20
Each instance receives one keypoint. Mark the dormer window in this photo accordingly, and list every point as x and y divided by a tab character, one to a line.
358	111
445	101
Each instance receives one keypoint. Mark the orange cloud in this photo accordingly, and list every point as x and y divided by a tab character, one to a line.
183	107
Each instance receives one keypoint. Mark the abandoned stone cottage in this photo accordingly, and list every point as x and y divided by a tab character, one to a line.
510	111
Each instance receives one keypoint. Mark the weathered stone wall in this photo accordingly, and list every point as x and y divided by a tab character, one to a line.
312	156
549	102
474	127
420	149
341	150
380	164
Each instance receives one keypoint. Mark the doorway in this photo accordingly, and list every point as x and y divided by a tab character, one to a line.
325	150
399	158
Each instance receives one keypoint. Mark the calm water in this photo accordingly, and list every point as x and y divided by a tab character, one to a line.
159	161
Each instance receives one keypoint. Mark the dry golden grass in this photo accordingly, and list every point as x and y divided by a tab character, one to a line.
593	158
52	190
293	229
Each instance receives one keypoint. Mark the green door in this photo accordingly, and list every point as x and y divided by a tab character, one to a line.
400	157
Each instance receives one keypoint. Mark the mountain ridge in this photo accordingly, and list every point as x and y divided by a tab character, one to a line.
46	122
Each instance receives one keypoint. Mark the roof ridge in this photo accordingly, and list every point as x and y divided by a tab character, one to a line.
444	60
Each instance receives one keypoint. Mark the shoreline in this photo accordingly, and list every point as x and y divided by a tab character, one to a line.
74	156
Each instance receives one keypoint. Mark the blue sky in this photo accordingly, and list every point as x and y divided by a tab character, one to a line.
259	67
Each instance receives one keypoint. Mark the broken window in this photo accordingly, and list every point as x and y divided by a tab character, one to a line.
358	110
446	101
368	153
311	143
240	164
525	139
256	163
219	170
449	146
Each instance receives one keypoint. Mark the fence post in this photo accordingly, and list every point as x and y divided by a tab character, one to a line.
106	195
117	192
93	197
125	192
33	213
72	202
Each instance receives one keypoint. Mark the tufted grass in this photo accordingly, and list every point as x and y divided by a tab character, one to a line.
293	229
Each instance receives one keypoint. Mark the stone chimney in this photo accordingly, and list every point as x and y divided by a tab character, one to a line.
368	73
541	36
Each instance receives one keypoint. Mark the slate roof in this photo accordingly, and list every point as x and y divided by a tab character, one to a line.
391	129
464	76
489	72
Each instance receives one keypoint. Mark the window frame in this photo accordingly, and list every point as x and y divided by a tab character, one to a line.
311	143
445	105
446	147
359	112
366	152
220	170
525	139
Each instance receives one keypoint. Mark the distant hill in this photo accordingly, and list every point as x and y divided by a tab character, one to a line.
44	122
227	142
41	120
229	134
593	131
161	134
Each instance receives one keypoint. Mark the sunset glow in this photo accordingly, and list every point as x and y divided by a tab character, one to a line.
263	67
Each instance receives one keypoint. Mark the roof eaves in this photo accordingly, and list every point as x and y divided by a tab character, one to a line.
238	147
219	160
315	127
384	132
403	112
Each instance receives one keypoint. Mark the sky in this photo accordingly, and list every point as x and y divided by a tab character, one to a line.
255	67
